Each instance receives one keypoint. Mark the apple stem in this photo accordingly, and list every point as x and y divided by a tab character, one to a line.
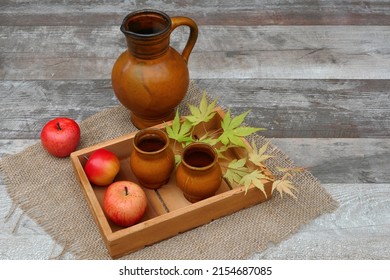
126	191
58	126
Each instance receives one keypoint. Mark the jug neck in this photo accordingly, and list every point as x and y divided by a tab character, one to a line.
147	33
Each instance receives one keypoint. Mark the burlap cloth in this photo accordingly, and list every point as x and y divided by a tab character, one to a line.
46	189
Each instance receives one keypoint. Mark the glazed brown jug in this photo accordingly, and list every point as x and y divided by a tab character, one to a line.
152	160
199	174
151	78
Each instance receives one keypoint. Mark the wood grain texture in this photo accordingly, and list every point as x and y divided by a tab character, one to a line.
308	108
341	160
36	102
275	52
359	229
249	12
21	237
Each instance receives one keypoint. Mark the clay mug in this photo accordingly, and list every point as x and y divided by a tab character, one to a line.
152	160
199	174
151	78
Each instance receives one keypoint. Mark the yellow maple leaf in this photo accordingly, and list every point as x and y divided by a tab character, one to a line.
257	156
284	186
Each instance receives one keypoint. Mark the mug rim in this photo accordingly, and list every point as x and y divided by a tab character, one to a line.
204	146
151	131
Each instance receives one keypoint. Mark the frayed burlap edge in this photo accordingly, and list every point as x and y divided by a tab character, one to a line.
46	189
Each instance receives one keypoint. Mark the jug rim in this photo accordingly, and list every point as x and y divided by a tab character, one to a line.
150	133
146	12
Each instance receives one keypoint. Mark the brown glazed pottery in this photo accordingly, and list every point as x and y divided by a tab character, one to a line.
152	160
151	78
198	175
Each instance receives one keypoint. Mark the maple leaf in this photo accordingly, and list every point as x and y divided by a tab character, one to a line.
236	170
284	186
177	159
206	138
203	113
181	132
233	132
254	178
258	156
220	152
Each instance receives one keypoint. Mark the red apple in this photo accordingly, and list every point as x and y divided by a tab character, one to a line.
124	203
60	136
102	166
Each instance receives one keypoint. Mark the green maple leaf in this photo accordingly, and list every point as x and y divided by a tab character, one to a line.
232	132
258	156
236	170
254	178
181	132
204	113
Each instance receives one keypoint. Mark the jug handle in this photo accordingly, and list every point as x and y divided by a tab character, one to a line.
177	21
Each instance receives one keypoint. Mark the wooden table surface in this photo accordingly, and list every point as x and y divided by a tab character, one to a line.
316	74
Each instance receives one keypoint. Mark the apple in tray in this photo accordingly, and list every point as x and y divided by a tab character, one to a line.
101	167
124	203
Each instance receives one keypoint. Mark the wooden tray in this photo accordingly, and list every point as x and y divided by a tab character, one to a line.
168	212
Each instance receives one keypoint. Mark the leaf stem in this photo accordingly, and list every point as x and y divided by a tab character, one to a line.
246	170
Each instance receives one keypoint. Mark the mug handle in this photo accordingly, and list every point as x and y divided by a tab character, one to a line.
177	21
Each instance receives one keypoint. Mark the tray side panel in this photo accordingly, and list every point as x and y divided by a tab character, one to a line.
91	198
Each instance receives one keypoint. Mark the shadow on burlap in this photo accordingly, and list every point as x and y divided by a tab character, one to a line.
46	189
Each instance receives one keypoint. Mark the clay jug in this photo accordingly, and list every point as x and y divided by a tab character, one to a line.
151	78
199	174
152	160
